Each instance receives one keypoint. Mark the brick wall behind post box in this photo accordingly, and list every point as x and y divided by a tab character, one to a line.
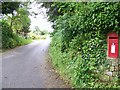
115	66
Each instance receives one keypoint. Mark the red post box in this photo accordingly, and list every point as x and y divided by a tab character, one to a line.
113	47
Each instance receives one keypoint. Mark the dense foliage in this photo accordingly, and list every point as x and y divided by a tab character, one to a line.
8	8
15	24
79	46
10	39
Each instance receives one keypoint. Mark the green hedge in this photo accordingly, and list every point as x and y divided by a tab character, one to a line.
79	46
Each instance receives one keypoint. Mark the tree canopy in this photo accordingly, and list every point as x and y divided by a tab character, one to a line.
9	7
15	23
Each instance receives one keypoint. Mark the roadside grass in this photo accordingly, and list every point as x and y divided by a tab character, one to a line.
19	41
43	36
22	41
16	41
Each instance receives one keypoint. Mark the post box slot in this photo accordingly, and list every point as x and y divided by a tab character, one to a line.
113	37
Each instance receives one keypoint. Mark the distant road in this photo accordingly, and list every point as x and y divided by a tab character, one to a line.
29	67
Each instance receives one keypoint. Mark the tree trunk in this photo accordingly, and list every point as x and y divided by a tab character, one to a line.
11	23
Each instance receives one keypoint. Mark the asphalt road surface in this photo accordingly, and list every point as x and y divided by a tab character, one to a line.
29	67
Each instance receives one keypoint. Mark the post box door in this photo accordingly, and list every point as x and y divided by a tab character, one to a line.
113	49
113	45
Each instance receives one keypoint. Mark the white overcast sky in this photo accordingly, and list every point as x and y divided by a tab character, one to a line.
40	19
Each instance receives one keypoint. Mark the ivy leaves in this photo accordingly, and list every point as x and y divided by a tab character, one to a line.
83	34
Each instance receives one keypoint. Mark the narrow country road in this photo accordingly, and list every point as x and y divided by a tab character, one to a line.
29	67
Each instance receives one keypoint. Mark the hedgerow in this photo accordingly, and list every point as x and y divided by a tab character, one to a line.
79	44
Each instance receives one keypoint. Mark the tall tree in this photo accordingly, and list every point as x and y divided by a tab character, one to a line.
23	16
19	20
